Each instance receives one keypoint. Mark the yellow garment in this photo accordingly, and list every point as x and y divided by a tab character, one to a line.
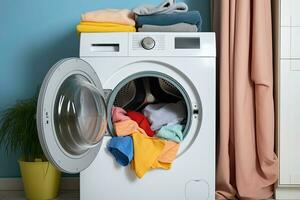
149	152
127	127
103	27
162	165
167	155
119	16
146	152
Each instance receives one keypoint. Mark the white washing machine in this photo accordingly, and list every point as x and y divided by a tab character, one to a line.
74	118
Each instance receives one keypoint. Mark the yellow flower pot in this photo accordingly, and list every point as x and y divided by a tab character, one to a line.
40	179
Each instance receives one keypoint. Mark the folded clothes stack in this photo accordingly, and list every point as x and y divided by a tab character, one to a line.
167	17
108	20
148	139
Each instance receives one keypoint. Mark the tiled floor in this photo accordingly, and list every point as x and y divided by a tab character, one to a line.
19	195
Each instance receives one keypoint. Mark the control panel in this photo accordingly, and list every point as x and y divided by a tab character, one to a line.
148	44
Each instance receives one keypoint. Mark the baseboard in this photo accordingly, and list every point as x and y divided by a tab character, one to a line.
287	192
67	183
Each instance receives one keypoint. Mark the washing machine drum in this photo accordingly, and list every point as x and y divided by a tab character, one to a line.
142	91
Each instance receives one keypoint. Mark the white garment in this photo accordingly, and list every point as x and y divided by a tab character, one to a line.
166	7
165	114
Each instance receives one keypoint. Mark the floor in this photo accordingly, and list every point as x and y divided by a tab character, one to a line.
19	195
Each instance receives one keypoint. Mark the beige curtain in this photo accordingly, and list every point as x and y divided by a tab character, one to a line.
247	166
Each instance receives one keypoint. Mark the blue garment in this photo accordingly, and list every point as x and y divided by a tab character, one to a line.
171	132
191	17
122	149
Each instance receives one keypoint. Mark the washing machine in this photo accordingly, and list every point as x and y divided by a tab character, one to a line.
77	95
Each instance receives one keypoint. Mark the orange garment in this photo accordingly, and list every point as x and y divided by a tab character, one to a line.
169	152
127	127
167	155
118	16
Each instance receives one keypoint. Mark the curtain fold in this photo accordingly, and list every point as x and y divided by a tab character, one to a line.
247	166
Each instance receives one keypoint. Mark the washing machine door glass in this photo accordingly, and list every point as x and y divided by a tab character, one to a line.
71	115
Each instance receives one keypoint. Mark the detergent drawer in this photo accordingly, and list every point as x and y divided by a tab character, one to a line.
103	44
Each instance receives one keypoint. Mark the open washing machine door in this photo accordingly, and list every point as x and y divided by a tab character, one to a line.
71	115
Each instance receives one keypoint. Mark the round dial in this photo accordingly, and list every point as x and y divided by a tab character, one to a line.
148	43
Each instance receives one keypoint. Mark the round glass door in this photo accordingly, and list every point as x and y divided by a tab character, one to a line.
79	115
71	115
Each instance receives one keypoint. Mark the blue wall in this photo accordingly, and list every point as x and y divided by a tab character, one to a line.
35	34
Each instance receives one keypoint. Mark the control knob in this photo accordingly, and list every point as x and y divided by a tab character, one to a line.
148	43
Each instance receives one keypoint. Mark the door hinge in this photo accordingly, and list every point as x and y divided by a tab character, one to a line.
107	93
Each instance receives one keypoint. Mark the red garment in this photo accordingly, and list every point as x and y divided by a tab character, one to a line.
142	122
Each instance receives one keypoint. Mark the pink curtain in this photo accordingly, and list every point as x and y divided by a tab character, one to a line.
247	166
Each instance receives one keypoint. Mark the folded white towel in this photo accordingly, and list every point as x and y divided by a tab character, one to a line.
166	7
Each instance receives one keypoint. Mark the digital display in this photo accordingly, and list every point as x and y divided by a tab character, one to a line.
187	43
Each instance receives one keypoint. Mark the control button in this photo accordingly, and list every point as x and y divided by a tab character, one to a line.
148	43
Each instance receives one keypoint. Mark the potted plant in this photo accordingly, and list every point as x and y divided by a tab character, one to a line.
18	133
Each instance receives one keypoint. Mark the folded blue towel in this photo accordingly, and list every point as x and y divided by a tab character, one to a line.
122	149
191	17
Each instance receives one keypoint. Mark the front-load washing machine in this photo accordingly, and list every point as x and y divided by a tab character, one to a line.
77	95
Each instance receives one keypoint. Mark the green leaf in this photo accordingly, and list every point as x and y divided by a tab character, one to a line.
18	130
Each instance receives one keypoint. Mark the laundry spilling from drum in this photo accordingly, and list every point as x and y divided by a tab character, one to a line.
147	139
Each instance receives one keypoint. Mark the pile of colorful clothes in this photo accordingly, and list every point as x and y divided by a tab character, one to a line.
168	16
148	139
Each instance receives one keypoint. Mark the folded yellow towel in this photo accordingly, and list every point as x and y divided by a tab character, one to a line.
103	27
123	16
